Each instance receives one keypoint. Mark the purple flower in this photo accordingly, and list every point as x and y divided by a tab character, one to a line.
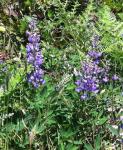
115	77
36	78
34	38
38	59
89	82
92	75
28	33
34	56
29	47
84	96
95	55
78	89
30	58
105	79
96	62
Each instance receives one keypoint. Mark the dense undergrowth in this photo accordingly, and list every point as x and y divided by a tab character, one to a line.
75	48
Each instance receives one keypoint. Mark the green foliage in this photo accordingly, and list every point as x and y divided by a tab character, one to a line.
114	4
111	32
53	116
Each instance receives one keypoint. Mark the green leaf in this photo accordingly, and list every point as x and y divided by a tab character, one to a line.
67	134
16	78
97	143
2	29
77	142
62	147
51	121
101	121
71	147
50	13
112	130
120	15
88	147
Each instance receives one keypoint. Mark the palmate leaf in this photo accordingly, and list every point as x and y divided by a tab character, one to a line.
97	144
15	79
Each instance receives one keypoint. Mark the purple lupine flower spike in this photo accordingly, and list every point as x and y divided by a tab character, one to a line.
34	56
92	75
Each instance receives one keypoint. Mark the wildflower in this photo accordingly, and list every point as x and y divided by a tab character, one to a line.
89	81
34	56
84	96
105	79
92	75
95	55
34	38
115	77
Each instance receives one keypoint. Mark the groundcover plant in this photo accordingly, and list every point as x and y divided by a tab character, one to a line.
61	75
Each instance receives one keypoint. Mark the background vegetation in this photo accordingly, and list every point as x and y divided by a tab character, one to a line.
53	117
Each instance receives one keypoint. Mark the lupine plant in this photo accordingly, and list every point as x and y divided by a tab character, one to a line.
34	55
61	75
